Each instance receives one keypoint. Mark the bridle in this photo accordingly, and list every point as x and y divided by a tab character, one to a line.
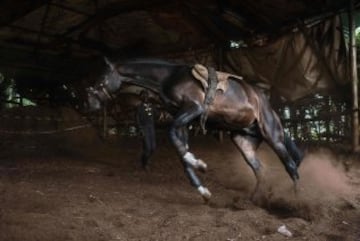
100	92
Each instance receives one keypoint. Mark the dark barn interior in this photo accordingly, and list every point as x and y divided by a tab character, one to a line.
66	175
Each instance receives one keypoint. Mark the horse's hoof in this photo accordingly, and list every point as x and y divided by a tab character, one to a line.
206	200
205	193
201	165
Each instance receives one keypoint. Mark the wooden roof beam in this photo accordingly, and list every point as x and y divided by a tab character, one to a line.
18	9
70	9
82	42
113	10
248	11
202	22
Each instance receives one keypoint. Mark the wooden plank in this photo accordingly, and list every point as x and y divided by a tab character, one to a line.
10	10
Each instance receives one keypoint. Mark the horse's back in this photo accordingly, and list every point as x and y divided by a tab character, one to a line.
151	62
182	87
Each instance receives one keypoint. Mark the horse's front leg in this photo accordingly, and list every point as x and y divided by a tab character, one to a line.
183	134
179	135
184	117
189	157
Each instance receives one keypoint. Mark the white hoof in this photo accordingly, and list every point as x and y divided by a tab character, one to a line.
195	163
201	165
205	193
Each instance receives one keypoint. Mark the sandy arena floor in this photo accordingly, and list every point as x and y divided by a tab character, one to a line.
75	187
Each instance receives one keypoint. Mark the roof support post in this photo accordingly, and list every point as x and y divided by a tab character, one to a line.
353	77
105	121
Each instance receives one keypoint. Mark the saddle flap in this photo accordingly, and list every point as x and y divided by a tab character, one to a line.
201	73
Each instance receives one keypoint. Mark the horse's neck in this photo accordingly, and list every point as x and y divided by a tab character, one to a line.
150	76
145	83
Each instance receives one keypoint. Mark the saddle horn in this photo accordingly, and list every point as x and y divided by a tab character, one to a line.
108	62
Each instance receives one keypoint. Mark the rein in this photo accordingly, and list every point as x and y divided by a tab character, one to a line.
142	81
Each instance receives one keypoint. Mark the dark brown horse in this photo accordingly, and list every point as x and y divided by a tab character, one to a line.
241	109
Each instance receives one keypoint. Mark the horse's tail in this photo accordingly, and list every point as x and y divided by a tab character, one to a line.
293	150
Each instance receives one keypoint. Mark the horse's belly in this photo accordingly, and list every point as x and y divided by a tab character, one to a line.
234	116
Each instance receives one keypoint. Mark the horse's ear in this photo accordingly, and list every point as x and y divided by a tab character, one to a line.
108	62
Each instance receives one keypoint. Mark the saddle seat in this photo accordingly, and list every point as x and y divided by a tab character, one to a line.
201	73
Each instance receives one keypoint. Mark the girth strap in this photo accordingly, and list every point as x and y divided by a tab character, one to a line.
209	96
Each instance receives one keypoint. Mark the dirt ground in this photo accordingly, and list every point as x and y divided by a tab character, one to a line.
75	187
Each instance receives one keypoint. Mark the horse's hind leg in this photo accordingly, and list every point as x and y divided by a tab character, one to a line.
290	166
294	151
184	117
289	163
273	134
248	145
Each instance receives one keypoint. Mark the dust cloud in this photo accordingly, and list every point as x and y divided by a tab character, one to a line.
324	183
323	188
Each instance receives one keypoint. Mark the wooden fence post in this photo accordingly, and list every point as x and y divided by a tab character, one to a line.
353	77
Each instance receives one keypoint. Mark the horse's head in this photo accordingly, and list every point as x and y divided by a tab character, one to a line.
105	88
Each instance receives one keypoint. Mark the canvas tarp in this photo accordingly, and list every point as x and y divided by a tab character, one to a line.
300	63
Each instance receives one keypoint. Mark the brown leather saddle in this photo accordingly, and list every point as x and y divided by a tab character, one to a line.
211	81
201	73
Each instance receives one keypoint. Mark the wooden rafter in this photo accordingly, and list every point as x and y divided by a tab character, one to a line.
18	10
253	19
113	10
70	9
85	43
202	22
43	22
